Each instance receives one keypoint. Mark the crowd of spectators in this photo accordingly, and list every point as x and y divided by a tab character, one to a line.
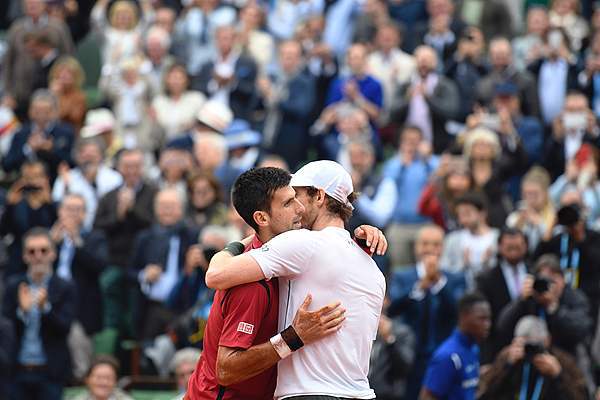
470	129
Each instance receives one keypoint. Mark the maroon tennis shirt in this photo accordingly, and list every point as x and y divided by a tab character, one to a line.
240	317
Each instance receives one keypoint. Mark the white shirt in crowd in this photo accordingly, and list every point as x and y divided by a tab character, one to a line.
330	266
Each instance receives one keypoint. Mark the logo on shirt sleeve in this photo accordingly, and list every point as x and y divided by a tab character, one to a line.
245	327
265	247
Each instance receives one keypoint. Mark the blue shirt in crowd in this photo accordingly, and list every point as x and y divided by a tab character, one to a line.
410	181
453	372
32	349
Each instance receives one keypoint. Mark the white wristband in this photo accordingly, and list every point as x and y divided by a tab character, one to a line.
280	346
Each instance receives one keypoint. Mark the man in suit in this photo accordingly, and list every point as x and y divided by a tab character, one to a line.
121	215
230	76
427	101
41	306
287	113
426	297
157	262
43	138
503	283
20	66
82	256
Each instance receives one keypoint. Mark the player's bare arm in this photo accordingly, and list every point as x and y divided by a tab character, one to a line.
236	365
226	270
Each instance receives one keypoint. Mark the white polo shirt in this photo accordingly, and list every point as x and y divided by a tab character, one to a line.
329	265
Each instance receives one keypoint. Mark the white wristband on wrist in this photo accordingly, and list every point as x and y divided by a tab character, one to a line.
280	346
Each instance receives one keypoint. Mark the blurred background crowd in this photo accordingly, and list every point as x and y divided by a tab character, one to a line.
470	128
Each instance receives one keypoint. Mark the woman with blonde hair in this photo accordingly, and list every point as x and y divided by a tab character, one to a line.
493	159
121	31
565	14
535	213
65	81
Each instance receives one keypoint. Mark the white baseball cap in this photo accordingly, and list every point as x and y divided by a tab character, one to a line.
215	115
97	121
327	175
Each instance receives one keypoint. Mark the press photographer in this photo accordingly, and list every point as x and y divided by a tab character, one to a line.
546	294
577	250
531	368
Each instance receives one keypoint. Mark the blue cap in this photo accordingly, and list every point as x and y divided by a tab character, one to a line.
506	89
239	134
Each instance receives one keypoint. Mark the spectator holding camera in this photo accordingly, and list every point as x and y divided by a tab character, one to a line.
28	204
546	294
531	368
576	247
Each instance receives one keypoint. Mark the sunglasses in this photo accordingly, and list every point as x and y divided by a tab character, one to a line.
40	250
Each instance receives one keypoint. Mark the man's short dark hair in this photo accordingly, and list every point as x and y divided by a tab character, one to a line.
38	231
470	300
473	199
506	231
254	189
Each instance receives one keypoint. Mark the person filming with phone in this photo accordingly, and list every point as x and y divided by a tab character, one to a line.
531	367
546	294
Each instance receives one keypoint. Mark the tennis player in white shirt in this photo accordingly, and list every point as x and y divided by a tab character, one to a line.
327	263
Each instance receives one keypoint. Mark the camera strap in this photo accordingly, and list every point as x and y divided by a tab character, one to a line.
537	391
571	269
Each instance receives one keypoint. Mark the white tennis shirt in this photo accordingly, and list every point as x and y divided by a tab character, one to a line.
330	266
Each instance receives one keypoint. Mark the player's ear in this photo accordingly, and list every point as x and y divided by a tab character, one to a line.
261	218
321	196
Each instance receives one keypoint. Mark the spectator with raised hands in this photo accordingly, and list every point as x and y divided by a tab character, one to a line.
451	181
529	46
575	126
65	80
581	175
535	214
158	61
28	204
43	137
565	14
91	178
120	26
287	119
533	366
556	73
411	169
390	65
466	67
256	42
428	100
41	306
176	109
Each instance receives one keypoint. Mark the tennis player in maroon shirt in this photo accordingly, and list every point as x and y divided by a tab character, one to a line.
239	357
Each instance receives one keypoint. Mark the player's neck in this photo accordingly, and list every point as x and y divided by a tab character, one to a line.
326	220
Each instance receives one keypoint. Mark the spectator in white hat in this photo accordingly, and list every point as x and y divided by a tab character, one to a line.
101	123
213	117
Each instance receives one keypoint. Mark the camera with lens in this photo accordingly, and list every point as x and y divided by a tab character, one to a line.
532	349
541	284
568	215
